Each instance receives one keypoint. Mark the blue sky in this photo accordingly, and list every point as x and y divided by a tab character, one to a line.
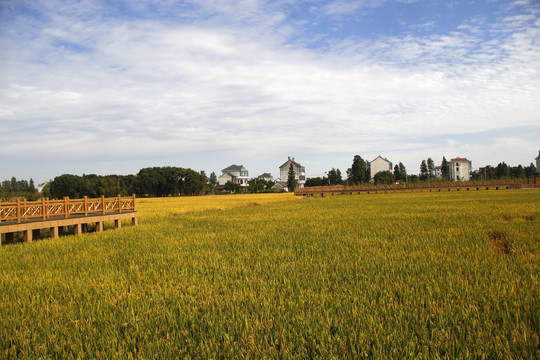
110	87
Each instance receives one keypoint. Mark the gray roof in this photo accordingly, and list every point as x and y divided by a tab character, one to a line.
234	168
292	161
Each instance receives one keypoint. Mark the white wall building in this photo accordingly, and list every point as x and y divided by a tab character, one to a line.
299	172
460	169
438	172
235	173
379	164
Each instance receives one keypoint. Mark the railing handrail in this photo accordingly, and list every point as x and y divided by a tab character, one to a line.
21	210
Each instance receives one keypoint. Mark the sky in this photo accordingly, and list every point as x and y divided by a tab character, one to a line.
111	87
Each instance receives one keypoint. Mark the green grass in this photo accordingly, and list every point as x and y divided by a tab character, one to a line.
377	276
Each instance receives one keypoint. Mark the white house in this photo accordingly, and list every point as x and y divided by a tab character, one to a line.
235	173
299	172
460	169
379	164
438	172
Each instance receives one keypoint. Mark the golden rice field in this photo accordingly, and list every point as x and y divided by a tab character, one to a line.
388	276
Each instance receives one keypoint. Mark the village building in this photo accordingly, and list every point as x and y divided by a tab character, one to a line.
299	172
438	172
266	177
235	173
460	169
379	164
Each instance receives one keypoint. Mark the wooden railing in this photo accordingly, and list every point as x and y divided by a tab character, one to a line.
512	184
21	210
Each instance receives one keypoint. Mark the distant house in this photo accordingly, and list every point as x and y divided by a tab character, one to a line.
235	173
299	172
379	164
438	172
280	186
266	177
460	169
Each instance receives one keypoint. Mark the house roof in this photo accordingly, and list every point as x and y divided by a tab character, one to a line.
458	159
291	161
234	168
385	159
265	175
280	185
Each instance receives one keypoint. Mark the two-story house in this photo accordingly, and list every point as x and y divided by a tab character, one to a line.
379	164
235	173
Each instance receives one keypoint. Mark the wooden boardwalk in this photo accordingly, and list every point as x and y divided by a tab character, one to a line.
416	187
29	217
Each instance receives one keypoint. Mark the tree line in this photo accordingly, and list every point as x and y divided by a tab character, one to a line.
360	173
18	188
155	181
164	181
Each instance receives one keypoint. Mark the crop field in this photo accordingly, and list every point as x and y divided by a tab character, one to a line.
390	276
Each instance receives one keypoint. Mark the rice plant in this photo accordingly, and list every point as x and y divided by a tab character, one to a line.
390	276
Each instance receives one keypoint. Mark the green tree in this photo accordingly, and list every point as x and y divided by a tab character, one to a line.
430	167
402	172
445	168
334	177
213	178
291	179
529	170
502	171
359	171
397	174
424	173
317	181
232	187
384	177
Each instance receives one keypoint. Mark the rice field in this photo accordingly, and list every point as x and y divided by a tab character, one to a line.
390	276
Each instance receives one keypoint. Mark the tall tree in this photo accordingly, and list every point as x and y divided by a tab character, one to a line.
502	171
359	171
213	178
529	170
291	179
445	168
423	170
431	167
397	173
402	171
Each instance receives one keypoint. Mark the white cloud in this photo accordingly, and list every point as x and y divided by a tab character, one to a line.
139	87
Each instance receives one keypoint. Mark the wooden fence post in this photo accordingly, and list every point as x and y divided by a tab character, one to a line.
43	210
18	210
119	204
66	207
85	205
102	204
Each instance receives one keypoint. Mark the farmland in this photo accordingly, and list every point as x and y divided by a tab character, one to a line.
415	275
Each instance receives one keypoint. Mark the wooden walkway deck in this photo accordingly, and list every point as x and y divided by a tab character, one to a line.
29	217
417	187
